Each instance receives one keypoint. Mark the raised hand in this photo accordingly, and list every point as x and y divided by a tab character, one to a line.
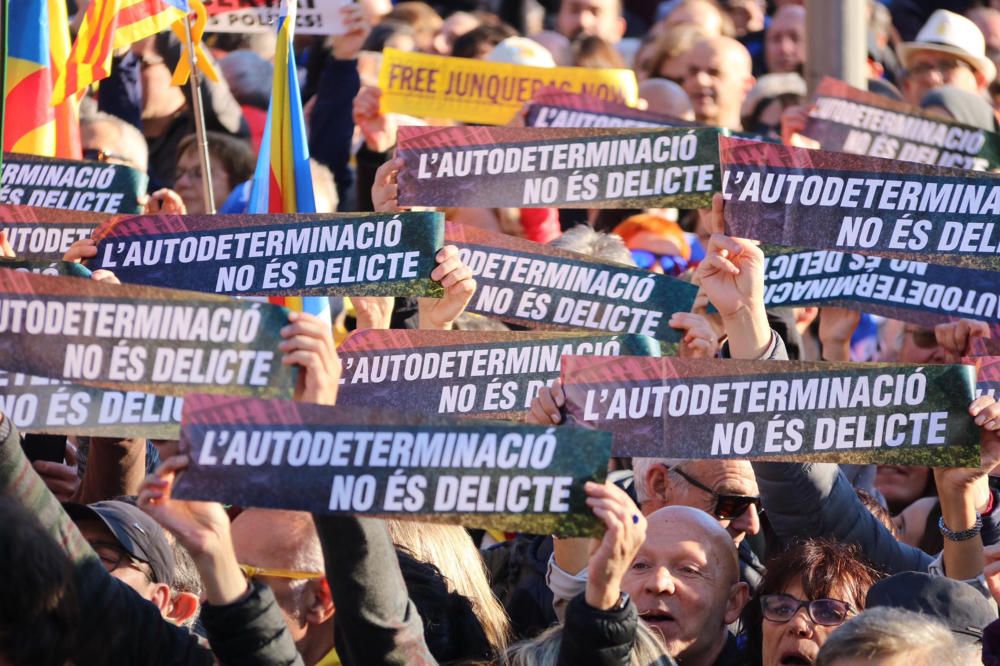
625	531
459	286
308	343
546	405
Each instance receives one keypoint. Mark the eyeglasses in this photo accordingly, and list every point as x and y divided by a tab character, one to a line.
251	571
113	557
193	173
922	337
946	67
670	264
727	507
781	608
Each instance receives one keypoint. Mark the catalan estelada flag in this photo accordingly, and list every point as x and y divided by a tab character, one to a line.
37	48
282	181
110	25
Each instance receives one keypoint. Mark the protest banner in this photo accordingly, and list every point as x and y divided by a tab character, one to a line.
305	457
816	199
44	234
500	167
101	187
471	373
543	287
849	120
987	375
313	17
552	107
137	338
51	406
985	346
276	255
491	93
922	293
838	412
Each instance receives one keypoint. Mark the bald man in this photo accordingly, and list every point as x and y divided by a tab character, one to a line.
285	546
600	18
666	97
785	40
685	582
717	77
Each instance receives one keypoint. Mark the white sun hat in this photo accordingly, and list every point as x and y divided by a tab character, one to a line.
951	33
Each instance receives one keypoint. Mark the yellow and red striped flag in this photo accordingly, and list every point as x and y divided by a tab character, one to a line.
110	25
38	48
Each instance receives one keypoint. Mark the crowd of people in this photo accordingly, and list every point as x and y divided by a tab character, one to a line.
701	563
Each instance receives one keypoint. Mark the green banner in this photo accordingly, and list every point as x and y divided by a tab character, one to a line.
276	255
100	187
838	412
543	287
305	457
132	338
42	405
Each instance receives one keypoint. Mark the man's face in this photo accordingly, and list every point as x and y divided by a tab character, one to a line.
714	82
725	477
681	585
105	137
928	70
136	575
601	18
785	41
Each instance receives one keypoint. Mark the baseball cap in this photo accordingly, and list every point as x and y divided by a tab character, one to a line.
957	605
140	536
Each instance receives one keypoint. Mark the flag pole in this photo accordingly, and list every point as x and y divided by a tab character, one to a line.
3	71
199	121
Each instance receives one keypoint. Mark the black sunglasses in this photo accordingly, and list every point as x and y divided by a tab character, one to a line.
727	507
781	608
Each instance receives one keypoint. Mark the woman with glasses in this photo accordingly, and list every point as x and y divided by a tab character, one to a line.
809	590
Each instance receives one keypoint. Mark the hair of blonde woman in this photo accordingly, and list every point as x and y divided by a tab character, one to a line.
543	650
450	549
672	43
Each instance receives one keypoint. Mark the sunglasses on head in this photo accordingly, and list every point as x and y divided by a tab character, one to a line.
670	264
727	506
781	608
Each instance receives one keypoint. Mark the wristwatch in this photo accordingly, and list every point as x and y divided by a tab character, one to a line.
963	535
622	602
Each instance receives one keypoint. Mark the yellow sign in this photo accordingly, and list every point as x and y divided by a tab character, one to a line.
486	93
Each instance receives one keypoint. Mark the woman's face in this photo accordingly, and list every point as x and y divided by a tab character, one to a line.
901	485
796	642
187	182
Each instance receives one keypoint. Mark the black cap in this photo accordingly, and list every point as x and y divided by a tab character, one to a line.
140	536
957	605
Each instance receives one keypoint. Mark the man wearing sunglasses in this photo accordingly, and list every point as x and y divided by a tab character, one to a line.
282	549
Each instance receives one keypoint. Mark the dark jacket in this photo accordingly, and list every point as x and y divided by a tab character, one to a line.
376	624
516	569
331	126
593	637
116	625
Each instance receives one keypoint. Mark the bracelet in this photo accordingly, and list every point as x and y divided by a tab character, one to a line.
963	535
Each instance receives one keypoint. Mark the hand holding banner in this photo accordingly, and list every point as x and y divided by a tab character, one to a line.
836	412
305	457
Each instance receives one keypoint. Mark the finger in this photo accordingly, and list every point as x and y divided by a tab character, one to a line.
446	253
173	464
558	394
719	264
548	405
53	470
461	274
71	454
103	275
5	249
980	407
718	215
448	265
